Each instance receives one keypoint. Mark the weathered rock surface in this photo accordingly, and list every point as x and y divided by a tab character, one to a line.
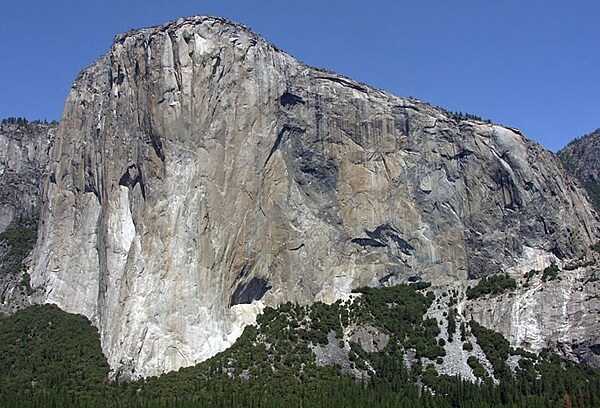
581	158
200	173
24	154
562	314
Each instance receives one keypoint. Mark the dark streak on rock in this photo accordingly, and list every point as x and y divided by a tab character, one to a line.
386	278
290	99
244	271
157	146
462	154
383	236
297	248
278	140
366	242
247	292
216	65
344	83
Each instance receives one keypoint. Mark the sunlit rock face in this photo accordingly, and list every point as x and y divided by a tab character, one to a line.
199	173
24	153
561	314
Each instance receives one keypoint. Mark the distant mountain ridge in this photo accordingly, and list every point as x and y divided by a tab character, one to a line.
581	158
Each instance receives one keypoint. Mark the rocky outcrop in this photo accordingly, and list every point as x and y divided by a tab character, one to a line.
24	155
200	173
560	315
581	158
556	312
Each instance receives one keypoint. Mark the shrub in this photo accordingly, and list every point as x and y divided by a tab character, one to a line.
492	285
478	369
550	273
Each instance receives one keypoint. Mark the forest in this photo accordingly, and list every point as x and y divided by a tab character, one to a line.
54	359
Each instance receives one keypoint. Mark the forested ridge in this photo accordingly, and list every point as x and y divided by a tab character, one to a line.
53	359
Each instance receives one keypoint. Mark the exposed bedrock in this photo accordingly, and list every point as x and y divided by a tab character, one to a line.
24	154
199	173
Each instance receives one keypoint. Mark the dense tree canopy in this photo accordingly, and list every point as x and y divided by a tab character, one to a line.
53	359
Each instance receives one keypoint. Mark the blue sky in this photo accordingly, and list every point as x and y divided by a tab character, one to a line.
529	64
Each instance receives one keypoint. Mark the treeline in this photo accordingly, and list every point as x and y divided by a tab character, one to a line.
458	116
23	121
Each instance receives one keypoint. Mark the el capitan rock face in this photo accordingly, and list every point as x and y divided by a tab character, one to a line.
199	173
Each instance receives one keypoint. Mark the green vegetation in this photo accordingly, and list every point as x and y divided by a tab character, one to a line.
400	310
43	348
531	274
458	116
495	347
478	369
18	240
528	276
492	285
53	359
550	273
15	121
23	121
420	285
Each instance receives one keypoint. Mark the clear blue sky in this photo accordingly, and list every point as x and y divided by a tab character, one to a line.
531	64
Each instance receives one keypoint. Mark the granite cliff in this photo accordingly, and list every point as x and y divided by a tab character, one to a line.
199	173
24	155
581	158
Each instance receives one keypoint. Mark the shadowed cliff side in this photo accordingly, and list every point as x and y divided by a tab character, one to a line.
581	158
